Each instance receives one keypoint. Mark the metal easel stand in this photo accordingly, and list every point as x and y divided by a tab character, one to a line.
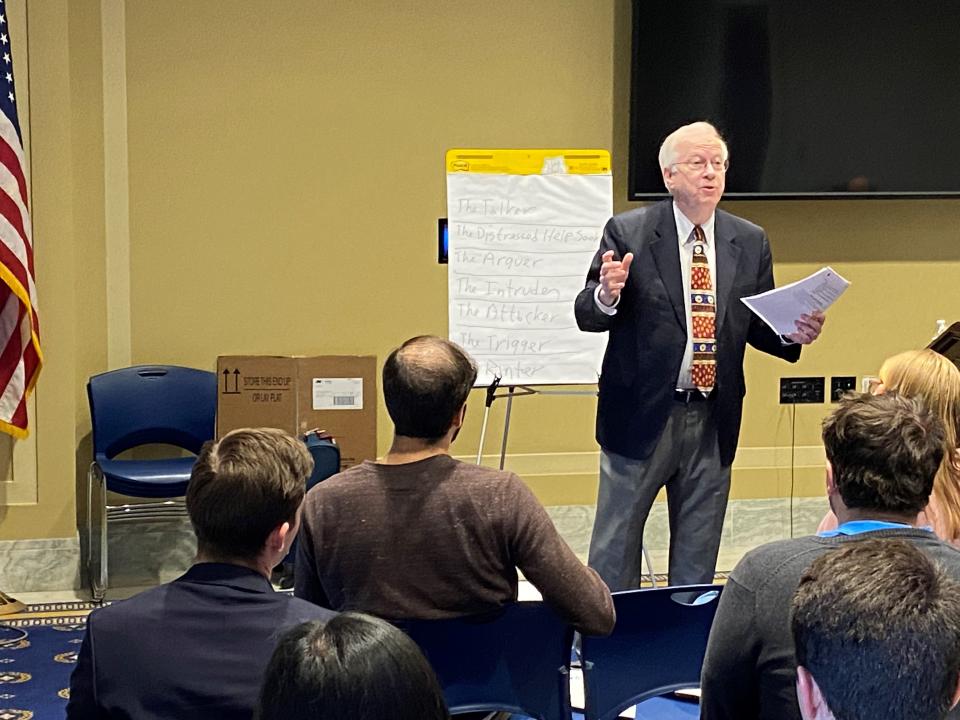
513	391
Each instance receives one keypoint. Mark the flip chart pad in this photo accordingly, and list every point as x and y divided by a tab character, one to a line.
523	228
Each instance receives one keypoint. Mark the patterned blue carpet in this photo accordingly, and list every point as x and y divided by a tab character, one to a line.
38	649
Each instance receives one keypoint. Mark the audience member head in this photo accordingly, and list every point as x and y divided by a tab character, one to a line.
353	667
883	451
934	379
876	627
245	494
425	385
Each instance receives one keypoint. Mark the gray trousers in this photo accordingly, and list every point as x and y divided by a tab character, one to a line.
687	461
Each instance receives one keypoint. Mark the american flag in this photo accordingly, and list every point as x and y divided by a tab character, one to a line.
20	356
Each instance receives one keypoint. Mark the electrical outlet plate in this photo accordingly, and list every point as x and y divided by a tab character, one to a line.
800	390
840	385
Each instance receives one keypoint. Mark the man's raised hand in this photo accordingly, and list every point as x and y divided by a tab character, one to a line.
613	277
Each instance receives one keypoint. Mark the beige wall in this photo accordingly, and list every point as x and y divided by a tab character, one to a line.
65	154
285	176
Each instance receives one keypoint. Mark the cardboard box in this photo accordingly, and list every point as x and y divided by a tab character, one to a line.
335	393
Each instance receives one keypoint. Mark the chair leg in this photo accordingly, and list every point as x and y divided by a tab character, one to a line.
99	579
104	557
88	527
646	557
92	575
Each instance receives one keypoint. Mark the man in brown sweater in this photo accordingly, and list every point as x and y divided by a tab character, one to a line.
423	535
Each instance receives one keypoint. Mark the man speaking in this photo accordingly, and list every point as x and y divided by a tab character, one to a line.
666	283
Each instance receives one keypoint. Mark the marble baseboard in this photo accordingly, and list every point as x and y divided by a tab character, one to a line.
150	553
42	564
139	554
748	523
143	554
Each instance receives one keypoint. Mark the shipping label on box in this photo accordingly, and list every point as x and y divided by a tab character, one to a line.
297	394
338	393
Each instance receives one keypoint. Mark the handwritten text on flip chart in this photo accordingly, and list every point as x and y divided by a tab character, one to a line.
519	250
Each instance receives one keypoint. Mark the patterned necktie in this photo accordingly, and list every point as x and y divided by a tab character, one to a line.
703	308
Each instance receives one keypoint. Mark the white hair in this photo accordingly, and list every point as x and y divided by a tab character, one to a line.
668	150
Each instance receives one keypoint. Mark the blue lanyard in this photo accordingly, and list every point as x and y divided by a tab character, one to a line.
855	527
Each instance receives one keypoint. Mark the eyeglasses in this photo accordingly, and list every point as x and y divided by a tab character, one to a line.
699	164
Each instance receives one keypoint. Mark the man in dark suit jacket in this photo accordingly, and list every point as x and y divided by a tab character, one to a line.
670	400
198	647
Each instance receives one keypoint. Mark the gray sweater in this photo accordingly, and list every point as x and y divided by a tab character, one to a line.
749	670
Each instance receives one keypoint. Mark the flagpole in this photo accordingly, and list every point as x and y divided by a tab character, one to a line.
9	605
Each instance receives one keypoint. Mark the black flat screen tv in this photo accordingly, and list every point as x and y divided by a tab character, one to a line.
816	98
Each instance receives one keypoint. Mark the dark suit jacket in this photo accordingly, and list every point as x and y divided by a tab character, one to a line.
648	335
194	648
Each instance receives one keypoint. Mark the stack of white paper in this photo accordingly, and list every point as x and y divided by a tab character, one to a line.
781	307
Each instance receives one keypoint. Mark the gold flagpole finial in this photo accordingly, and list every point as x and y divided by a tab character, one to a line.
9	605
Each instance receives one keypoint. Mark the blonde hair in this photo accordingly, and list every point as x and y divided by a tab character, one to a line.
935	380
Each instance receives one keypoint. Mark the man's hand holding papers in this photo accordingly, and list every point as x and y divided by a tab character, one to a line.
796	311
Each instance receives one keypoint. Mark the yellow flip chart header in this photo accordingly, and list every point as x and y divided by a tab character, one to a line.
529	161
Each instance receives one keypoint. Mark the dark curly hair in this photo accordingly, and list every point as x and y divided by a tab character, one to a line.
885	451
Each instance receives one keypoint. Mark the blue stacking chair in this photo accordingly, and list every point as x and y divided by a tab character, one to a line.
135	406
326	456
516	660
657	647
326	462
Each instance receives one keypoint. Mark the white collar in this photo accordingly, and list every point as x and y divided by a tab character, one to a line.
685	226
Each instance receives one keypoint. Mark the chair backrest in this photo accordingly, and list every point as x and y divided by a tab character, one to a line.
656	647
148	404
326	462
516	659
326	457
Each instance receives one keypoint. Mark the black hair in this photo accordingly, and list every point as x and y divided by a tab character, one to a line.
877	625
353	667
425	384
